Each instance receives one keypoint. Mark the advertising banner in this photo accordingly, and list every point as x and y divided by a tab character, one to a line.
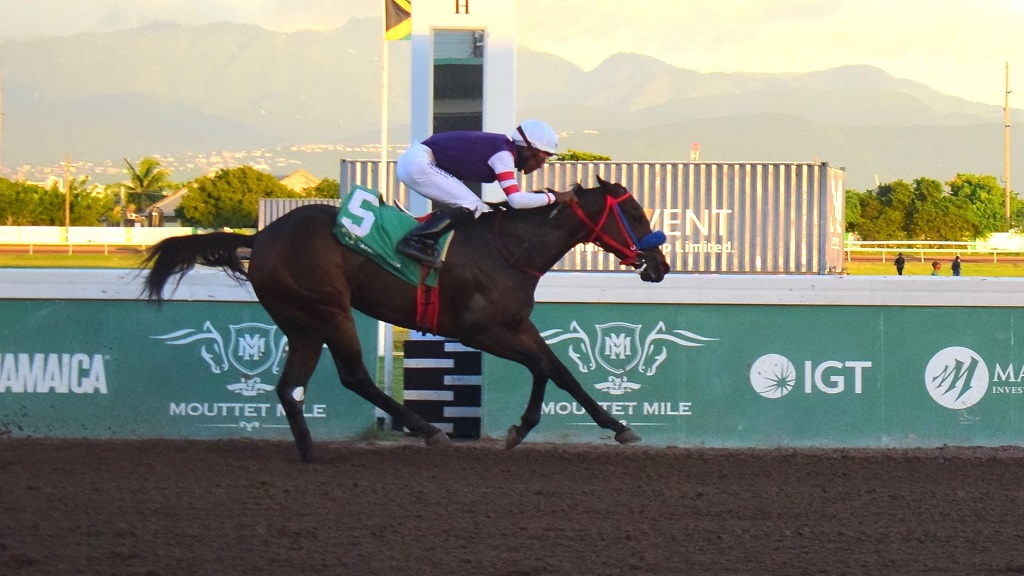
770	376
126	369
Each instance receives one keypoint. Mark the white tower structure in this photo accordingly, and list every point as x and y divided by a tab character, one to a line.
463	71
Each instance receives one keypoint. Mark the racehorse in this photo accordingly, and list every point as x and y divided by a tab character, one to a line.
309	282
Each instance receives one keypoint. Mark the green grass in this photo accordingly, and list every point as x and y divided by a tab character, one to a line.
56	260
984	268
397	374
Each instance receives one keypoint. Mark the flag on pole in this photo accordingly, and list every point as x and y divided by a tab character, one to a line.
397	19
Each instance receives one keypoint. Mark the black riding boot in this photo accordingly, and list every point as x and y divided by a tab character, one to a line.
420	242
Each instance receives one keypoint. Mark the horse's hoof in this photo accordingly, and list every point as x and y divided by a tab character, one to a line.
438	438
627	436
306	453
514	437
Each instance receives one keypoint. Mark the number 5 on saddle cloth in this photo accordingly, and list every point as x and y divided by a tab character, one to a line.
372	228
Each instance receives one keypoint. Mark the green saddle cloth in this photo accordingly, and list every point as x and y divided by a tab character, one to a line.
373	229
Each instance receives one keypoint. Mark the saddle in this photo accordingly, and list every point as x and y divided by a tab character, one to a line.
371	227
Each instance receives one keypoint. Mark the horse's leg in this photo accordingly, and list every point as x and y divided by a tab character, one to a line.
509	345
564	379
531	416
348	357
303	356
526	346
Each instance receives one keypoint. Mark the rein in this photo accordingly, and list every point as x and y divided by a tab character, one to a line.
513	259
600	238
630	253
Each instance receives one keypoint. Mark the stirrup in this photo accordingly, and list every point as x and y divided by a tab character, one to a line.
420	251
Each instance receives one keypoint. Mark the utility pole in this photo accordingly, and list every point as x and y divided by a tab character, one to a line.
67	194
1006	144
1	125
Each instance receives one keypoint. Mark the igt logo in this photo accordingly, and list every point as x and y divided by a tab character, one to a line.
774	376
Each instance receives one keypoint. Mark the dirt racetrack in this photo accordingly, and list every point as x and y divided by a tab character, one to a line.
226	508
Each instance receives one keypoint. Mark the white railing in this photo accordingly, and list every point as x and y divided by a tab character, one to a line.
34	237
920	249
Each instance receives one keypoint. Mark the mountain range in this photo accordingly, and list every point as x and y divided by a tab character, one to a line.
173	90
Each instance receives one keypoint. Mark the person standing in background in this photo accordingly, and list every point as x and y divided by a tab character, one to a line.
900	263
956	266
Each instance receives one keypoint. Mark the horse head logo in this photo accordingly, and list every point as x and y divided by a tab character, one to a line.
580	349
212	348
656	349
619	347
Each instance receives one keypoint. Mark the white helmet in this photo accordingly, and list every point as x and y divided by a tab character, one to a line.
535	134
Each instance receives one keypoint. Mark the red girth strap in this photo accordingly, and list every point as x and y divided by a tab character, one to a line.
428	304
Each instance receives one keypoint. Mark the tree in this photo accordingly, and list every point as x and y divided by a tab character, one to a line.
326	188
146	185
25	204
870	210
883	213
933	215
985	201
87	205
928	190
19	203
91	206
230	198
853	209
571	155
972	208
944	219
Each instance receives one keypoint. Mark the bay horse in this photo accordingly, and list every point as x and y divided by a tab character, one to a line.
309	282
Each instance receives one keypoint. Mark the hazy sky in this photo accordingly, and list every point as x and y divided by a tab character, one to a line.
958	47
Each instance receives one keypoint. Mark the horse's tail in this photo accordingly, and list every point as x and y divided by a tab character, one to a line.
177	255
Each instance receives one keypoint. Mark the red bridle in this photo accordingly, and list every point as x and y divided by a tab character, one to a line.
628	254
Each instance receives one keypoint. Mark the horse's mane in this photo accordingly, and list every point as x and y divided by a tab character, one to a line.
498	207
509	215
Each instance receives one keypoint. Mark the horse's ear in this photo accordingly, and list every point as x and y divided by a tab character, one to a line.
612	189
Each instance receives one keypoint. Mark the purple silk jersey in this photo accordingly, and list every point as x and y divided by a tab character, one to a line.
465	154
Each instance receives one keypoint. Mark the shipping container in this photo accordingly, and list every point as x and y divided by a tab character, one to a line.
271	209
719	217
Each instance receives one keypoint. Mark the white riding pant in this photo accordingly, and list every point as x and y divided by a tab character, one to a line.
418	170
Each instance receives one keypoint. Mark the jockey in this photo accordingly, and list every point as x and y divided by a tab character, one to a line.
437	168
